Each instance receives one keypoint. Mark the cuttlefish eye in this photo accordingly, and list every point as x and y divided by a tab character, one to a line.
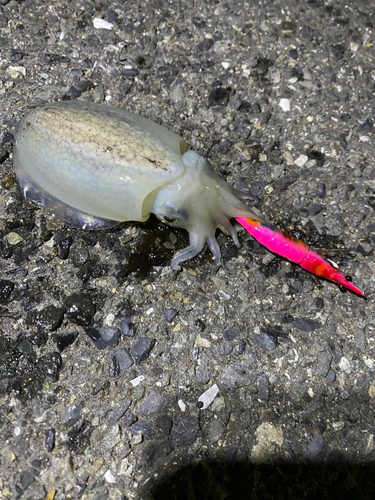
169	220
175	216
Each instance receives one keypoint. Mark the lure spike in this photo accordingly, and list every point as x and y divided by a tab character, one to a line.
296	251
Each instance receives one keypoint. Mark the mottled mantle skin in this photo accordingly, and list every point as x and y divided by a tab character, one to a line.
96	165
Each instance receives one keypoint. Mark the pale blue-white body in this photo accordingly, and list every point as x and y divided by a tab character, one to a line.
96	166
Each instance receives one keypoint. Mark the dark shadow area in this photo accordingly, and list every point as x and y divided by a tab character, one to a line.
220	480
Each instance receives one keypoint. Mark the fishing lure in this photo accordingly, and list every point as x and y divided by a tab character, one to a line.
96	166
296	251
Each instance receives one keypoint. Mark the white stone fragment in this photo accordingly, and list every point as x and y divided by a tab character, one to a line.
371	265
369	363
202	342
109	319
101	24
225	64
208	396
15	71
284	104
43	418
364	138
181	405
288	158
345	365
137	380
109	477
301	160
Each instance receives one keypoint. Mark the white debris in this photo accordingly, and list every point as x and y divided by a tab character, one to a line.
202	342
15	71
43	418
109	477
109	319
182	405
225	64
101	24
288	158
208	396
364	138
284	104
345	365
301	160
136	381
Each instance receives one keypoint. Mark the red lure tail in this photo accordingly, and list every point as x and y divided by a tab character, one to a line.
296	251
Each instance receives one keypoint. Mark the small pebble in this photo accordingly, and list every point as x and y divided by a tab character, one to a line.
240	348
127	327
263	388
7	182
323	365
63	246
141	426
264	340
170	314
118	412
288	158
322	190
70	415
119	361
315	447
301	160
50	440
3	156
306	325
225	348
285	104
142	349
153	403
6	249
218	97
164	424
79	254
14	238
64	340
80	309
103	337
49	318
50	365
181	405
25	479
184	432
231	333
6	288
110	477
345	365
102	24
137	380
331	376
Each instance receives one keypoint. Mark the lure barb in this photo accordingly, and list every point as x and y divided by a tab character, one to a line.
296	251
